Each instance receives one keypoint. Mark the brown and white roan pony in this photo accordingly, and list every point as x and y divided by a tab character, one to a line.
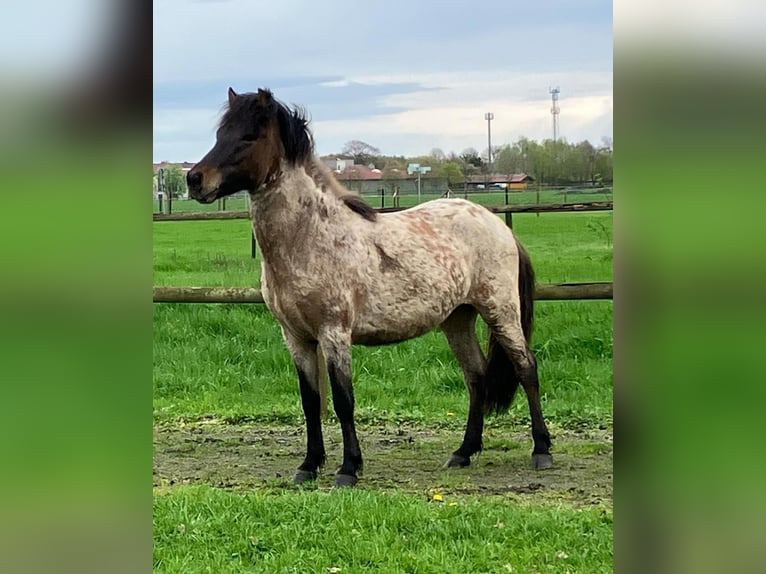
337	273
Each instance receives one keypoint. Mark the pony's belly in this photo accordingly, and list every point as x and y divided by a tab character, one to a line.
398	325
372	336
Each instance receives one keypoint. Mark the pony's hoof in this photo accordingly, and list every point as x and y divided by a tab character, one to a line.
457	461
302	476
345	480
542	461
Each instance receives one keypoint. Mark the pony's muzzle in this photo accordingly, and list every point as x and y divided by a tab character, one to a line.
195	181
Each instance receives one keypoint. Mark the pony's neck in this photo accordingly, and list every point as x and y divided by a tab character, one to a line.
299	207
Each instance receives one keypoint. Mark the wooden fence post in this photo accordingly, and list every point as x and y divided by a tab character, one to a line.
253	245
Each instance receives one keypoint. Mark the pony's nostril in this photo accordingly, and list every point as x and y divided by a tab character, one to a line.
194	179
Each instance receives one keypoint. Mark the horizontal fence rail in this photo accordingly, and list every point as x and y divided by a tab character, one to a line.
543	292
520	208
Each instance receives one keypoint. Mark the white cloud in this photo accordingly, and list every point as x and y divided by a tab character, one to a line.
456	127
451	116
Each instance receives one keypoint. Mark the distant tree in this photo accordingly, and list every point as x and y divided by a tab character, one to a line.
437	154
485	158
549	162
362	152
175	181
471	156
452	172
389	162
508	160
586	161
603	166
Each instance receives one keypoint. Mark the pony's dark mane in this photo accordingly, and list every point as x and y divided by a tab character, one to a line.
355	203
296	137
360	206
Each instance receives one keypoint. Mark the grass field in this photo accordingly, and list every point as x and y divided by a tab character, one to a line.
228	432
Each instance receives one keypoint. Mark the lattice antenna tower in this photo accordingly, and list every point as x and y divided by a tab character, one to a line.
555	111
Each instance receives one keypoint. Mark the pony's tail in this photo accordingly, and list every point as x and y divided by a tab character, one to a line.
526	292
501	380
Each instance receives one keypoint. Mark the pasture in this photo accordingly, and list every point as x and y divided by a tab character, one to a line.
229	430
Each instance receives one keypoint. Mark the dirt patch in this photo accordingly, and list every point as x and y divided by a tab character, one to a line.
403	458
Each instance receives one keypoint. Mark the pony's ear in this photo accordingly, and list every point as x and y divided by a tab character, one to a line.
264	96
232	96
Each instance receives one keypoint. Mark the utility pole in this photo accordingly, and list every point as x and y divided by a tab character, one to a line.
555	111
489	116
419	184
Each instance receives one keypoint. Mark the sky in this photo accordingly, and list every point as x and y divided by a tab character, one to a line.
403	76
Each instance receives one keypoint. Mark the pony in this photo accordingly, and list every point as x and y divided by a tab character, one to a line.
335	273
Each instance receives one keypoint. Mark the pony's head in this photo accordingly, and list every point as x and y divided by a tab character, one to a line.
256	135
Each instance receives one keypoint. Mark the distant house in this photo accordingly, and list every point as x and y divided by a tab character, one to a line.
357	172
517	181
520	181
338	164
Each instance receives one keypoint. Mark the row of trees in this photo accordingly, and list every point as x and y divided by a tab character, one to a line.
549	162
556	162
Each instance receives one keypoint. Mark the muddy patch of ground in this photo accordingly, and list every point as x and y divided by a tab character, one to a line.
250	456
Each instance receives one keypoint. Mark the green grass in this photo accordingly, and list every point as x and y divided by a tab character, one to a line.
229	362
207	530
183	205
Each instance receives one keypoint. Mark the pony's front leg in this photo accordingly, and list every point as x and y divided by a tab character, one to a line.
307	364
336	346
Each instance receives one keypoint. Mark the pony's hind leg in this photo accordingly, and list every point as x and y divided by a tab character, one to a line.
336	346
307	364
460	330
512	339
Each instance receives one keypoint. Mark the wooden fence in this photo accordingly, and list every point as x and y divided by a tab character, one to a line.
543	292
509	209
